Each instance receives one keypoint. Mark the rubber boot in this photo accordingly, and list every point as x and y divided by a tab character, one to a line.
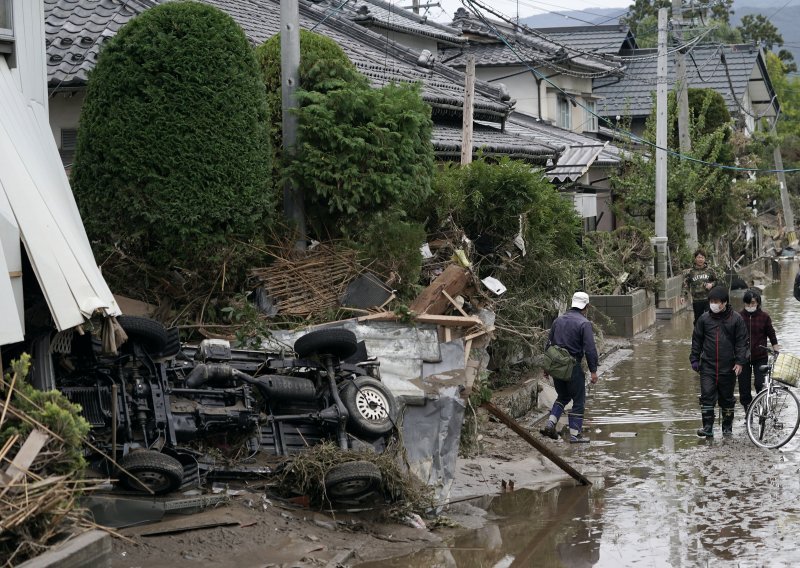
727	422
707	431
575	429
550	428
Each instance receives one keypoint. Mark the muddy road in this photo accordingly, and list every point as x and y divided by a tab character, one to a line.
661	496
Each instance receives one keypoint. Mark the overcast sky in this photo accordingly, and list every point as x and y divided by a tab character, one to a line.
526	7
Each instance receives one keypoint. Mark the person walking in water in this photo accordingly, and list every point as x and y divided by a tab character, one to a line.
759	329
720	349
573	332
698	280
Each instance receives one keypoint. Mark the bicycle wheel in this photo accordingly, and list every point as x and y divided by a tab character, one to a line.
773	417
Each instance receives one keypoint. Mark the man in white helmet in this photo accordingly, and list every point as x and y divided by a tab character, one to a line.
573	332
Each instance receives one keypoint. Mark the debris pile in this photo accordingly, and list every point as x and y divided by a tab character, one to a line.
617	262
306	474
41	467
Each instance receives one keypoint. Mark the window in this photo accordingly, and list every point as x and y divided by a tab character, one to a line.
590	124
6	22
564	116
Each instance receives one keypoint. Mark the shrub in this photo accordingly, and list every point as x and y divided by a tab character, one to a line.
173	148
359	150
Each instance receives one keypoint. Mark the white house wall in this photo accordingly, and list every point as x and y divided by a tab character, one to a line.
520	84
65	112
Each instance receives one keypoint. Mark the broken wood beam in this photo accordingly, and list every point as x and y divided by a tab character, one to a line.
525	435
454	321
453	280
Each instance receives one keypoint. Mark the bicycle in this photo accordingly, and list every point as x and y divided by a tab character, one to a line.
774	414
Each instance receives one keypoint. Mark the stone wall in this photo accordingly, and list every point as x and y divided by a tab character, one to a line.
628	315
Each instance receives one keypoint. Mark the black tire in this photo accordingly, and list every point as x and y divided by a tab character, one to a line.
150	334
773	417
158	472
352	481
341	343
371	407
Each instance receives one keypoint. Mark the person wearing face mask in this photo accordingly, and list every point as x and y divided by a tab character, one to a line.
720	349
759	328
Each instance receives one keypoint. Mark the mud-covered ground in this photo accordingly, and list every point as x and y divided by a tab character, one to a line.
263	531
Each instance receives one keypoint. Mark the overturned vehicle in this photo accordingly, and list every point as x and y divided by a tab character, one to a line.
164	412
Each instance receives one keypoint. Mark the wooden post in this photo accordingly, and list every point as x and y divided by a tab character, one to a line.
469	94
514	425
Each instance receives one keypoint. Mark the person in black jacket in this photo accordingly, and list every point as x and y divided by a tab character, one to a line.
797	287
720	348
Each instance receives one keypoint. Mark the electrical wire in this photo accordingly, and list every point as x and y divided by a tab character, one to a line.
627	134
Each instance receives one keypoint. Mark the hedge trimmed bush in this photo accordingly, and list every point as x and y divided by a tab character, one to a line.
359	150
173	149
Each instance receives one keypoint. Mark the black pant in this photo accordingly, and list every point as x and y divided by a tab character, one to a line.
745	396
714	388
699	307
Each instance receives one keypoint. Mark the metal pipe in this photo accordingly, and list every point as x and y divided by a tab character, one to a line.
114	412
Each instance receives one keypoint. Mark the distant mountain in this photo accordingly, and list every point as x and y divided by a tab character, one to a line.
565	18
786	18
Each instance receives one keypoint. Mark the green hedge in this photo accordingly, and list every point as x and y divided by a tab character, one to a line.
173	150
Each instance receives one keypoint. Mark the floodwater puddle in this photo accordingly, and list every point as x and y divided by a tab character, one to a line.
660	496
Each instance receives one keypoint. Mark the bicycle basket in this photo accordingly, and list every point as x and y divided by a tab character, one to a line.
787	369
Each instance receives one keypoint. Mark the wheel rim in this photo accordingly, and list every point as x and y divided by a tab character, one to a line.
350	488
774	419
153	480
371	404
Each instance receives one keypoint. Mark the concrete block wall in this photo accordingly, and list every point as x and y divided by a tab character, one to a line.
673	290
629	314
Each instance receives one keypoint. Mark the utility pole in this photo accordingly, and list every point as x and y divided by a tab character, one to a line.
660	240
293	207
786	204
469	94
415	6
682	94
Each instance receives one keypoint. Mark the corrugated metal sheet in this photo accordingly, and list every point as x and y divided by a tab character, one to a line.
11	305
43	206
575	162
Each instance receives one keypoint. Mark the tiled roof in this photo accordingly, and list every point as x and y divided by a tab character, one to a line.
706	69
492	141
381	60
76	29
393	17
532	46
609	39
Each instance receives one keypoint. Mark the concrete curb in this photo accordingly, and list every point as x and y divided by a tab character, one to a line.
92	548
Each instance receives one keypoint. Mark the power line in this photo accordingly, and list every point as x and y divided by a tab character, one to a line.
630	135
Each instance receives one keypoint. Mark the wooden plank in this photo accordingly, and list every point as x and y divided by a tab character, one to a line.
453	280
24	458
543	449
455	304
455	321
471	336
15	274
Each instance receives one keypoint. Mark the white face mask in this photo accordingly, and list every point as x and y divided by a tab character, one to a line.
716	308
751	309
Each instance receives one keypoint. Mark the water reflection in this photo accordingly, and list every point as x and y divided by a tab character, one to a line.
664	497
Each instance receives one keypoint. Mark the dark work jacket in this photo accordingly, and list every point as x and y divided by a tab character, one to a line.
720	341
759	328
573	332
797	287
